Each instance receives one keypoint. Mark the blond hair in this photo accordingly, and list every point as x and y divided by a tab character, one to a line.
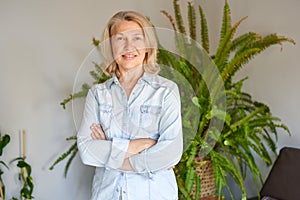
110	67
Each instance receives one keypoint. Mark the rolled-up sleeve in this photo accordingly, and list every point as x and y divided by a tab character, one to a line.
168	150
98	153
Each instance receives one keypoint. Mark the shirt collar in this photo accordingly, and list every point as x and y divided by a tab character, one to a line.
146	78
111	81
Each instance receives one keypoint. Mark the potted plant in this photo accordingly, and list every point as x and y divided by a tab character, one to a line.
248	127
24	174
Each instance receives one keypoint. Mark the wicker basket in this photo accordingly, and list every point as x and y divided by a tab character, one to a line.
206	174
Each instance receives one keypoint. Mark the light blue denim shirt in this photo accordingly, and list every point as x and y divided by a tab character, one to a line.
152	111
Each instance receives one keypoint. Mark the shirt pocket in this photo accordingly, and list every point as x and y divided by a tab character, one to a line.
105	115
149	118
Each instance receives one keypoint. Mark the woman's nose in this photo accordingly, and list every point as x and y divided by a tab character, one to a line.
129	45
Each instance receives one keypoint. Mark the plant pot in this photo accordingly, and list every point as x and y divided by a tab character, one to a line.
205	171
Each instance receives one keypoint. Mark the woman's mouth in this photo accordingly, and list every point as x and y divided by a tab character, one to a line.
128	56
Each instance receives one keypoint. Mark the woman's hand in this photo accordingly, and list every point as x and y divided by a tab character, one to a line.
138	145
97	132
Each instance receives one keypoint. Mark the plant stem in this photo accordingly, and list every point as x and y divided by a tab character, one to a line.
1	191
243	121
23	173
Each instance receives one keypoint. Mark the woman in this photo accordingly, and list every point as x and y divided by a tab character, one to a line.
131	129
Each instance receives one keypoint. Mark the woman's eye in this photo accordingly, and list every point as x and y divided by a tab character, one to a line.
138	38
120	38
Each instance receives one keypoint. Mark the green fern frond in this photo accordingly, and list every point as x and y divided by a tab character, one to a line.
72	156
170	18
189	180
95	76
252	166
204	30
243	120
262	122
64	155
192	20
226	21
223	165
167	58
284	127
98	74
242	58
178	17
180	65
66	100
95	42
270	40
248	155
84	90
74	137
244	40
98	68
260	149
198	187
182	188
223	50
270	142
237	62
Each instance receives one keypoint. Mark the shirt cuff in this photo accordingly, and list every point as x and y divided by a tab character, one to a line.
118	152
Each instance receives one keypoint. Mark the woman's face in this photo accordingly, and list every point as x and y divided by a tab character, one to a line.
128	45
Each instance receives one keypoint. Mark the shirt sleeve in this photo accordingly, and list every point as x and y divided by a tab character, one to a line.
168	150
98	153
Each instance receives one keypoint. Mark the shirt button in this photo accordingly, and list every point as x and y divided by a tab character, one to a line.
122	173
117	190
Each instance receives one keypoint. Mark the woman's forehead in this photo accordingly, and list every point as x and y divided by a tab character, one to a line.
126	27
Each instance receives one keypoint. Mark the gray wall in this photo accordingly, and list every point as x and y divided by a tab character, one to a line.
43	43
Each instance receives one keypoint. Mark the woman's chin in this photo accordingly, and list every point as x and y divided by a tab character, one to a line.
131	67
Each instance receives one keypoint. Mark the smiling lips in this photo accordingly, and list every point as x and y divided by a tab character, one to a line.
128	56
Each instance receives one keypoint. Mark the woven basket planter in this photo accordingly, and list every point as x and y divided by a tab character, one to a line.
205	171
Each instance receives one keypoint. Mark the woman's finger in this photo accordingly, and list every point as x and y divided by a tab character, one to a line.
97	132
94	137
171	168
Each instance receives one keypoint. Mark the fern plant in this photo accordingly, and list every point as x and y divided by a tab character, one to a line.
249	128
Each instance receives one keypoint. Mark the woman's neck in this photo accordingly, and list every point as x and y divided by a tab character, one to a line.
128	79
130	76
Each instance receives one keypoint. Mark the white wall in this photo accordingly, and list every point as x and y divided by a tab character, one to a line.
42	44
